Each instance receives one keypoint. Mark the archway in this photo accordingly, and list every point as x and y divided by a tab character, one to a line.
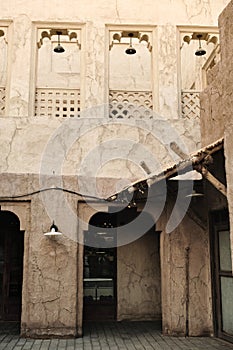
11	266
121	282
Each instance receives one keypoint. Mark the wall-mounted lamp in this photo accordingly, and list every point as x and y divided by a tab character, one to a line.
53	231
200	51
130	50
59	48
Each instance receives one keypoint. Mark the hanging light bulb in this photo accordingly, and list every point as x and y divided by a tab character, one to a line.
59	48
130	50
200	51
53	231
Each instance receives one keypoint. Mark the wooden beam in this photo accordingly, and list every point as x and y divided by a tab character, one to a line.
176	148
200	168
215	182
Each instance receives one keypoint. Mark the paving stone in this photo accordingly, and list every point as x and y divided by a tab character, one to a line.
112	336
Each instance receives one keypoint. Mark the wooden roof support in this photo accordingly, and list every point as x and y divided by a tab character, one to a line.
215	182
207	159
198	160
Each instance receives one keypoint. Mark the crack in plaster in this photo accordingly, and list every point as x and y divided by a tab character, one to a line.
200	6
117	12
10	149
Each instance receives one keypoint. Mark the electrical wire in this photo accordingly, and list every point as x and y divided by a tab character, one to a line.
49	189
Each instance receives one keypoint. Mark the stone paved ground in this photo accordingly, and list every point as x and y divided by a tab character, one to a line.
111	336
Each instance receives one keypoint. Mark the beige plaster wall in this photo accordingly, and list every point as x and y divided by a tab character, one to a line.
50	281
92	148
93	18
216	101
52	292
24	138
51	284
186	279
212	107
139	279
194	12
49	298
226	27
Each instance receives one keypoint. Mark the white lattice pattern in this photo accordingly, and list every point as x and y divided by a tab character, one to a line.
57	102
2	100
190	102
130	104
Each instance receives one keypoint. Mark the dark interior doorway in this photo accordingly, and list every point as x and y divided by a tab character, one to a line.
100	269
11	266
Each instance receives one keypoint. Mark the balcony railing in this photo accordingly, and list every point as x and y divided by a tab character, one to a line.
53	102
130	104
2	100
190	103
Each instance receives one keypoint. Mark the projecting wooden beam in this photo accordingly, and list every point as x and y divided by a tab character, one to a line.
215	182
200	168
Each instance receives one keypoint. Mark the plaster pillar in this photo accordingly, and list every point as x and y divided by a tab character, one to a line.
94	66
167	71
20	67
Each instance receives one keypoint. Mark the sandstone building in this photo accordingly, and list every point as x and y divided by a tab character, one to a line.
114	117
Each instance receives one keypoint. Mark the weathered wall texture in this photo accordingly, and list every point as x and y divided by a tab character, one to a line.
49	299
216	102
212	108
92	147
139	280
50	275
186	278
226	27
51	280
24	137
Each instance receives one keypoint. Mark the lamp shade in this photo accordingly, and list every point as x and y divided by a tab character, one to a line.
59	48
53	231
131	50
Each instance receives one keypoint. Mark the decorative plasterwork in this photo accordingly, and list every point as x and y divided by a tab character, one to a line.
130	104
208	37
190	104
71	35
57	102
117	37
3	33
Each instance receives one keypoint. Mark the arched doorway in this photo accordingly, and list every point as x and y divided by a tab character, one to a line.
11	266
121	282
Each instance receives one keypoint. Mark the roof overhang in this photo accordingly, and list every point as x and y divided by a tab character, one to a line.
197	160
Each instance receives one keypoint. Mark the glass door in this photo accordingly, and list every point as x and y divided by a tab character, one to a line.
99	284
99	269
224	283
